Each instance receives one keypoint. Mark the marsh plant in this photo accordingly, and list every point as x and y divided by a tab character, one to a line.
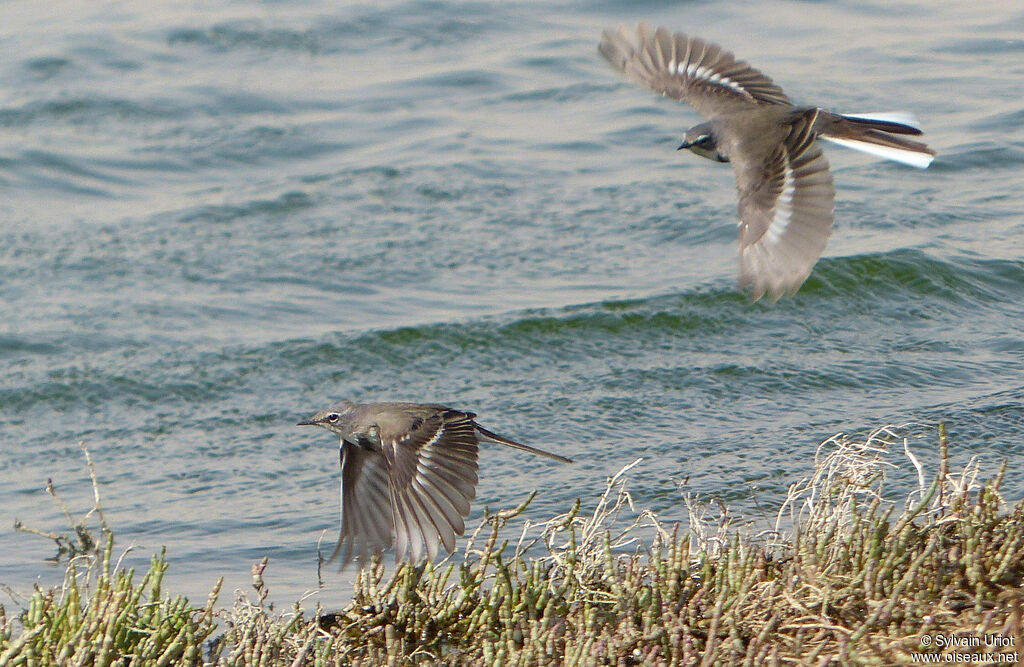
845	576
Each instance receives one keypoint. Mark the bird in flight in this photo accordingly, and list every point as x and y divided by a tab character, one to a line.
408	473
786	196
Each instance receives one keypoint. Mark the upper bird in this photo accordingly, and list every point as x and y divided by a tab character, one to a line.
785	188
408	472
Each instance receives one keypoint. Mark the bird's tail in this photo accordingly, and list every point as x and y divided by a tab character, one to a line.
484	434
880	134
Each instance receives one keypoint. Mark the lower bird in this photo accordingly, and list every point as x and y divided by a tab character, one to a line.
408	472
786	196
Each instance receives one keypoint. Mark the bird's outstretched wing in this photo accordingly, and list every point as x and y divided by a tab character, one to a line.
700	73
786	207
366	523
432	463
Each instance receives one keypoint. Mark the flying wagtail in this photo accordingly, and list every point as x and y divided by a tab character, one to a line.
408	472
785	188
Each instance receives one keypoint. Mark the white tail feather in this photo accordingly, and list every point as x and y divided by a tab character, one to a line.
913	158
901	117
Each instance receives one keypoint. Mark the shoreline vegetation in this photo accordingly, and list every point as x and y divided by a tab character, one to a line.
847	576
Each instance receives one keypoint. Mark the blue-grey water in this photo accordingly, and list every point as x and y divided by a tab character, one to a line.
216	218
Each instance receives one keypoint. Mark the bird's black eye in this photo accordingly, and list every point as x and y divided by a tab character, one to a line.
332	418
704	140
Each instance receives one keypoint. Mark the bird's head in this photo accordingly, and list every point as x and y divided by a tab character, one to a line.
700	139
334	419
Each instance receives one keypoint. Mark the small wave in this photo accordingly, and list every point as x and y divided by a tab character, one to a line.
47	67
987	156
250	34
87	111
285	204
415	25
909	278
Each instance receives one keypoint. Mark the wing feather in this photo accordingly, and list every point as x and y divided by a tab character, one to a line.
689	69
366	524
434	472
786	209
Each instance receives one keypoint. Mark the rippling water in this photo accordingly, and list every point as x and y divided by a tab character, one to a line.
218	218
